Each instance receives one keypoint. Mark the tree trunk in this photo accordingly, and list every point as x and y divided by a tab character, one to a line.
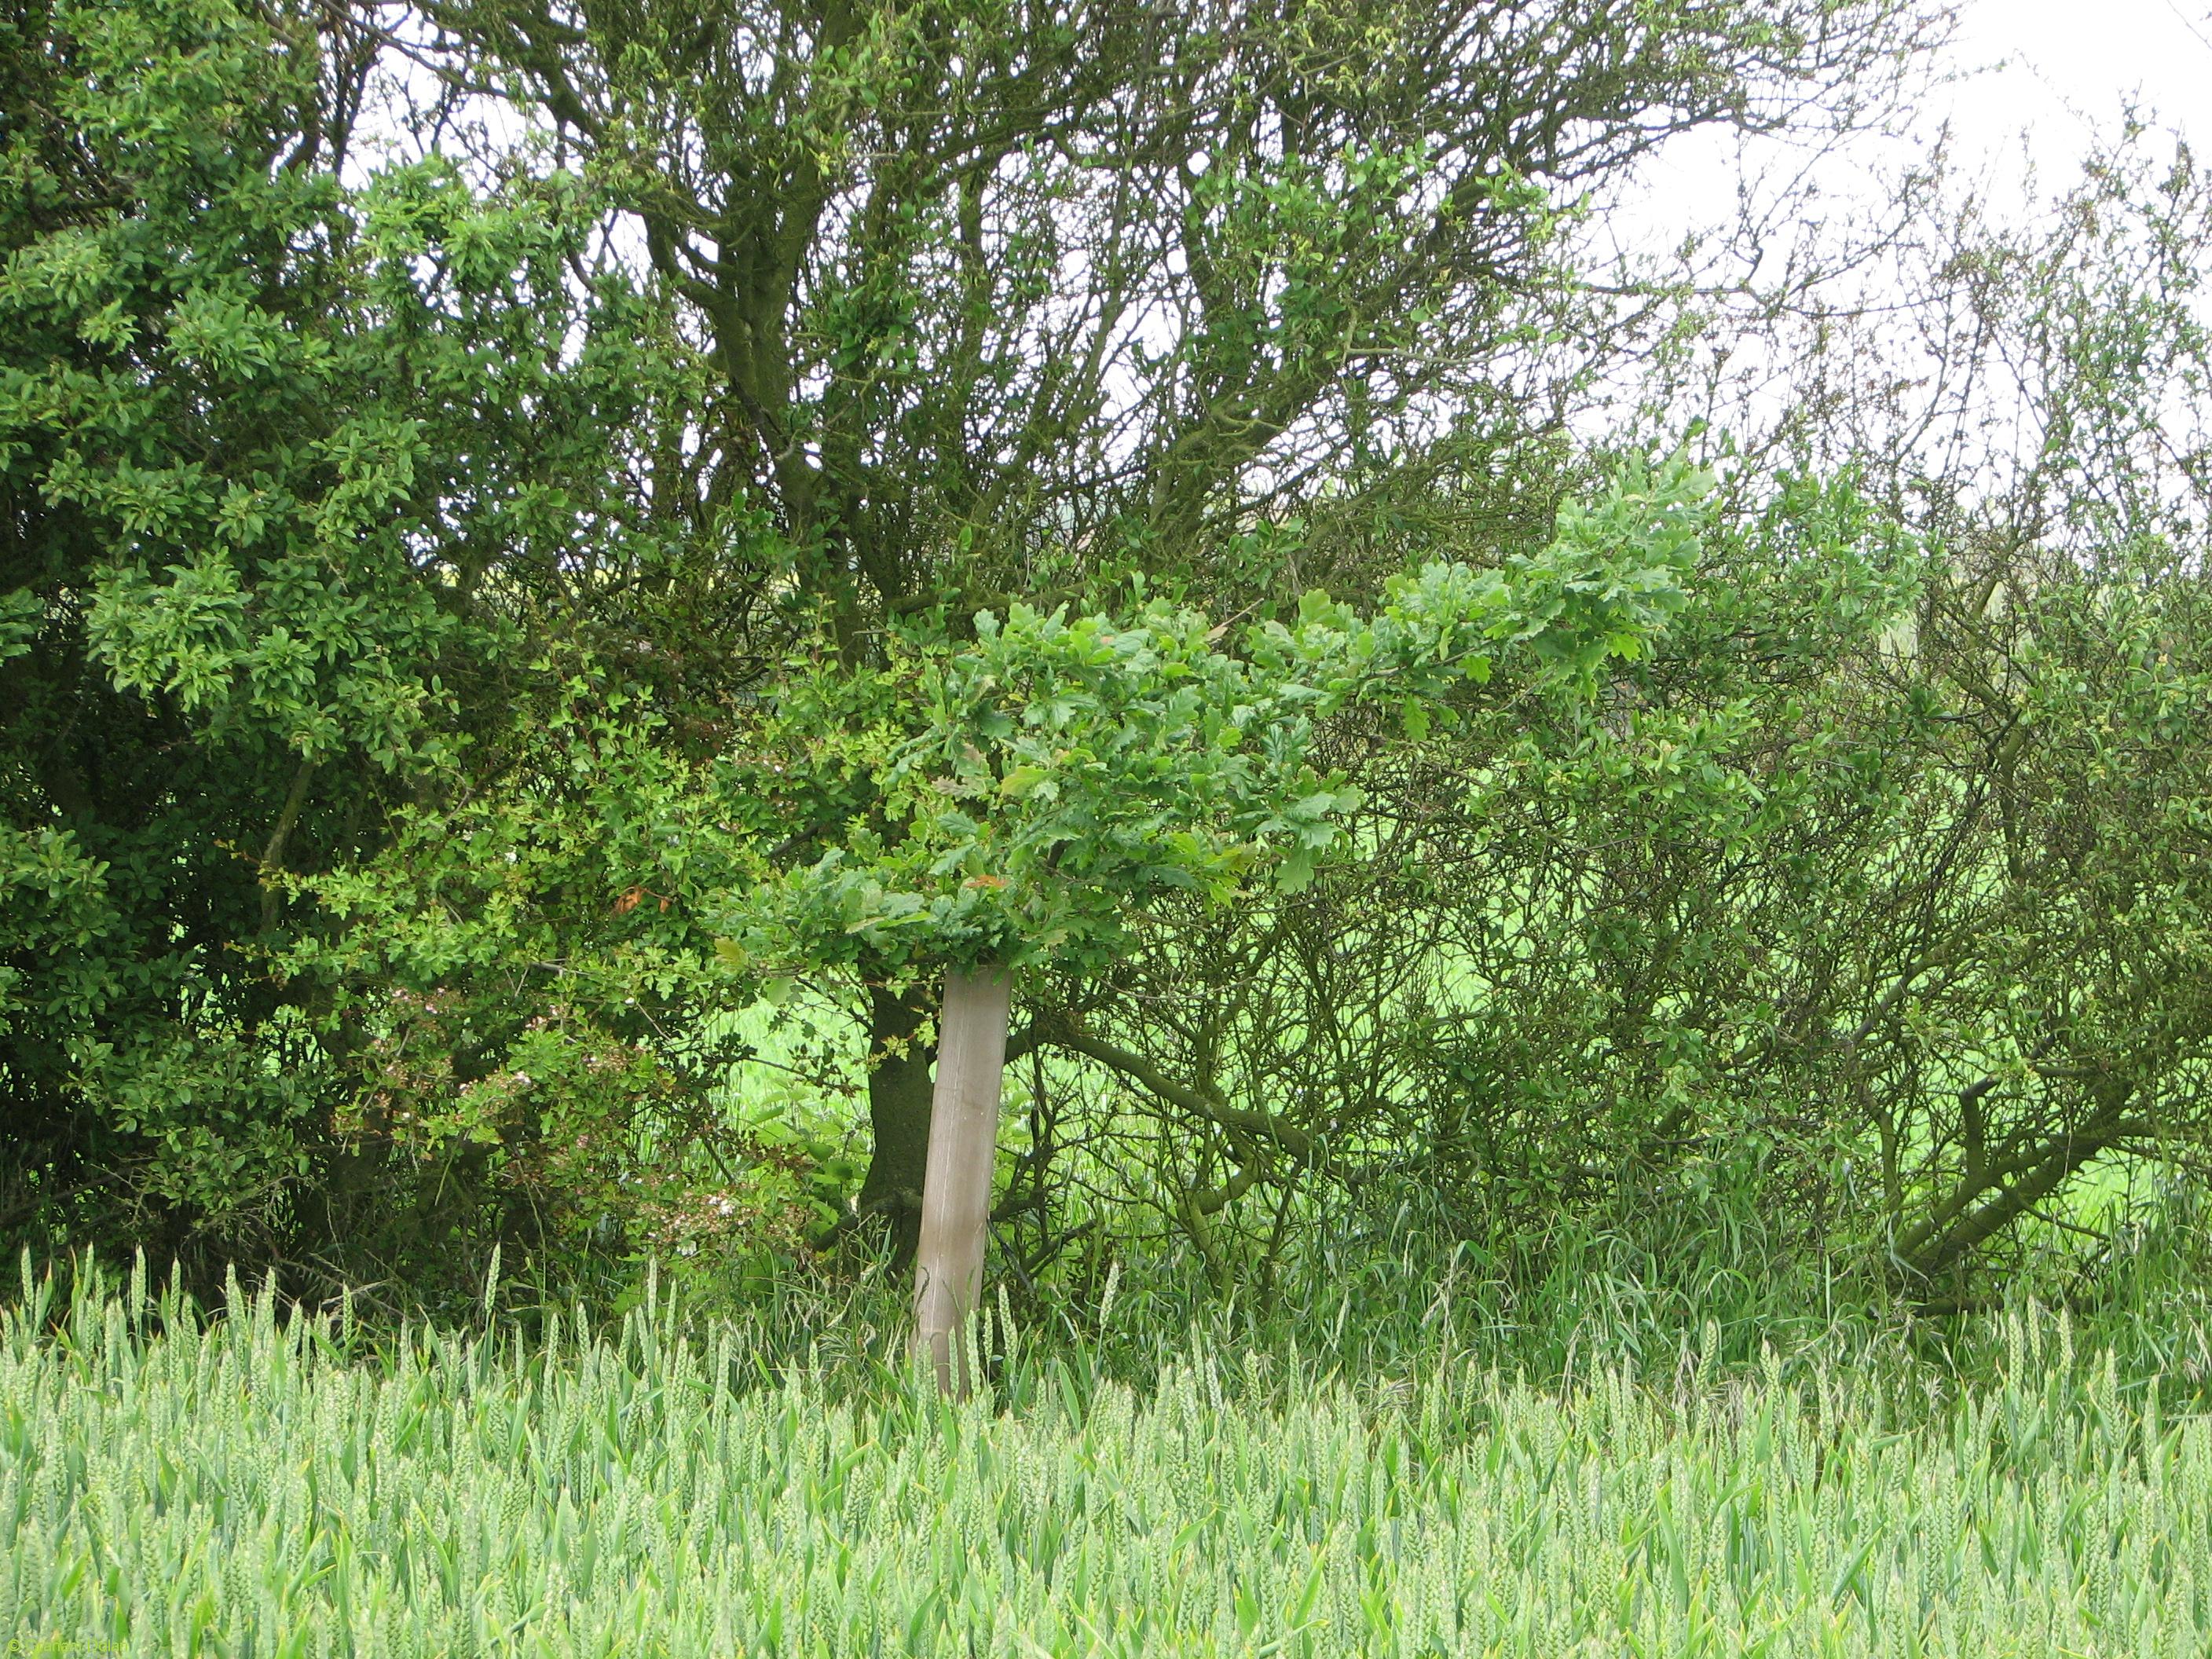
964	1144
898	1117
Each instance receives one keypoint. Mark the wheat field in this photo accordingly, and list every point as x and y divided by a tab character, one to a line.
177	1483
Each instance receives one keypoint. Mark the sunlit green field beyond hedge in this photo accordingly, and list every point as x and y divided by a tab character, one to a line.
254	1485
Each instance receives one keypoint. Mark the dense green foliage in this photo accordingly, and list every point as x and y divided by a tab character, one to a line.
1062	771
293	471
267	1486
560	562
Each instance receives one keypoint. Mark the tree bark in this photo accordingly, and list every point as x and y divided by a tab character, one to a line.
898	1118
964	1144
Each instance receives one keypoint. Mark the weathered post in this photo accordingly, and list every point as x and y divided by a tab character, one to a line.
963	1143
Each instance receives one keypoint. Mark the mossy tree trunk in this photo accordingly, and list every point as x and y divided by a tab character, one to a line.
899	1061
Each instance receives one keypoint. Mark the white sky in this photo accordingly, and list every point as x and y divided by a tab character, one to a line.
2030	89
2069	64
2030	83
